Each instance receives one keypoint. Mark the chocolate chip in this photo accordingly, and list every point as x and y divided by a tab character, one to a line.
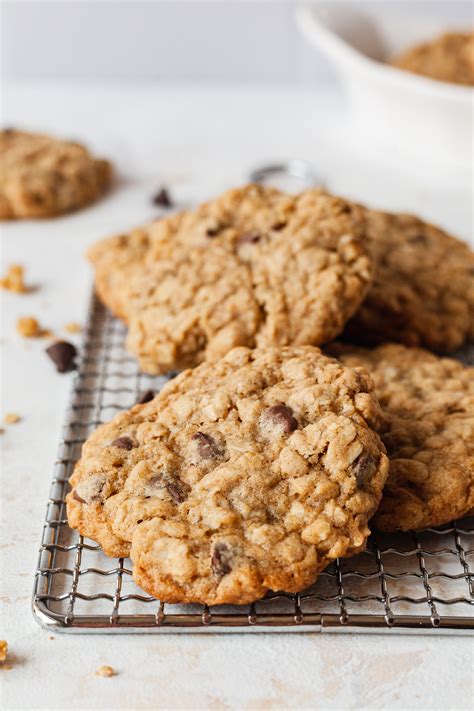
76	496
213	230
418	239
363	468
249	237
281	416
206	446
62	354
221	559
176	488
145	396
123	443
277	226
163	198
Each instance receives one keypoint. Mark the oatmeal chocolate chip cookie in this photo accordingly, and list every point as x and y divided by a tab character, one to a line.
423	288
428	403
447	58
42	176
248	474
255	267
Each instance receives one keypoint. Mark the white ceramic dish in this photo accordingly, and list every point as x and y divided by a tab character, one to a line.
427	120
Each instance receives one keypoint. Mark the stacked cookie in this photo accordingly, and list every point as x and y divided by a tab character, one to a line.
266	459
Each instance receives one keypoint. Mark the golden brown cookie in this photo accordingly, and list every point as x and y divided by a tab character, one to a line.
449	58
428	403
41	176
247	474
423	288
255	267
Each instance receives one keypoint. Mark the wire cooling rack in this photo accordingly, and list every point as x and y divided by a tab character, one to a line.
407	582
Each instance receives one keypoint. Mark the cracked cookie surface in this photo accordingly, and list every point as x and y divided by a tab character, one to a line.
449	58
423	288
42	176
245	475
255	267
428	404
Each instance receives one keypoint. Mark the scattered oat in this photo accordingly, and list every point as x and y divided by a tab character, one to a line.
13	279
51	637
3	650
105	670
11	418
29	327
73	327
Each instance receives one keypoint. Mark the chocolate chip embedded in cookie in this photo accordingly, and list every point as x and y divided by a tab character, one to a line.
248	474
423	288
255	267
41	176
428	403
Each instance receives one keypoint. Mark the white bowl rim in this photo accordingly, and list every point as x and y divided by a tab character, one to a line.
319	34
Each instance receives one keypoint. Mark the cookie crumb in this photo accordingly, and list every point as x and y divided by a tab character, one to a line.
11	418
14	279
29	327
3	650
73	327
51	637
105	670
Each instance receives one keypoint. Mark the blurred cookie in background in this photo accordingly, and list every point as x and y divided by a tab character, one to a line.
42	176
449	58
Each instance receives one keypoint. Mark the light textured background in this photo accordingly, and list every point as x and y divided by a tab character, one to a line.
243	40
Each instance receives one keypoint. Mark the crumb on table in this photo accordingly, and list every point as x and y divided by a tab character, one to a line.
14	279
3	650
11	418
73	327
105	670
29	327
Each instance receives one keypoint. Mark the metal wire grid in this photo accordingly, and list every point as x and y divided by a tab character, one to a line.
411	582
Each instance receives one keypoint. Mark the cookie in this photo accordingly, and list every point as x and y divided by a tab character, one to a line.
428	403
255	267
423	288
244	475
41	176
449	58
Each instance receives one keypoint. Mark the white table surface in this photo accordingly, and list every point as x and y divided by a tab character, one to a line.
199	141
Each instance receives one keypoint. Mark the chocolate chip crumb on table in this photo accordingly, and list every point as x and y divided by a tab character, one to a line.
63	355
